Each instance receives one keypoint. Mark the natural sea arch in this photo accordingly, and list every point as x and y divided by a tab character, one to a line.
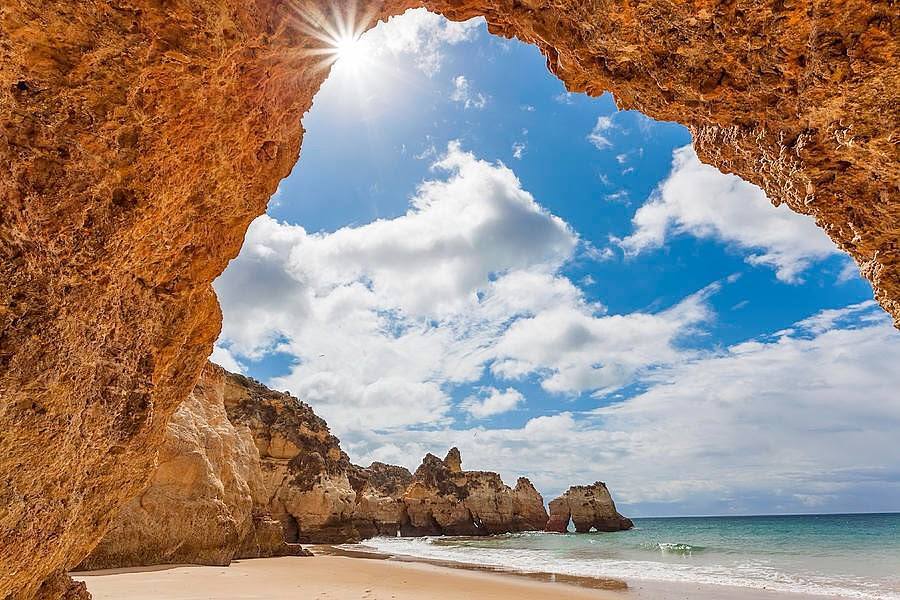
141	137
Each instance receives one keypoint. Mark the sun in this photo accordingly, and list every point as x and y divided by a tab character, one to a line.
348	50
339	31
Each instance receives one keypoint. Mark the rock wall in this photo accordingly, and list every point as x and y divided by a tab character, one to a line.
304	470
320	497
206	503
238	484
141	138
588	507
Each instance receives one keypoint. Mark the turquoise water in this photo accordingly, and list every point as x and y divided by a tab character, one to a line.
848	556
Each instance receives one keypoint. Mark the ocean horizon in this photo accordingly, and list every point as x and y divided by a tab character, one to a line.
854	555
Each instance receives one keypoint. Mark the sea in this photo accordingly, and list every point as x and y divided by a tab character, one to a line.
844	556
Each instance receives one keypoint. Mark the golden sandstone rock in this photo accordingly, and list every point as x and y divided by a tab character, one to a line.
140	139
212	497
206	502
588	507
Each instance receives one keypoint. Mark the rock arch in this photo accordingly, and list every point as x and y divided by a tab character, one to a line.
141	137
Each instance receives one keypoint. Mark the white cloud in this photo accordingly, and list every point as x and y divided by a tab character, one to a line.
467	279
805	418
598	135
577	351
463	93
223	357
699	200
492	401
518	149
420	34
418	301
849	271
618	196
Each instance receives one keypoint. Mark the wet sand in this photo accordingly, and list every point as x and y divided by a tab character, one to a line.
339	575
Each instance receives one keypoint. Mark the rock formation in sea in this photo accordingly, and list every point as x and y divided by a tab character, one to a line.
206	502
128	179
589	507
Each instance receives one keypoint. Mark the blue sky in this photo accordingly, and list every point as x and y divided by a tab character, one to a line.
468	255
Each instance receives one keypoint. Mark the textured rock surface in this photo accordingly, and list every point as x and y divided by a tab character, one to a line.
380	509
305	473
588	507
206	503
445	500
320	497
141	138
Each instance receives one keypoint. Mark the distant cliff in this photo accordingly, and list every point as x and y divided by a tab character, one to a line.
248	472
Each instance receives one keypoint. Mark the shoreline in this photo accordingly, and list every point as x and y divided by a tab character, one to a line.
340	573
621	589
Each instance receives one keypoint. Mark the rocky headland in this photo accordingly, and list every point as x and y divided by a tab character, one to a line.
248	472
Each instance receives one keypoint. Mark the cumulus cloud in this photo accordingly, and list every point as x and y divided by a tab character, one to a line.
490	401
806	417
467	280
575	350
697	199
465	95
411	304
222	356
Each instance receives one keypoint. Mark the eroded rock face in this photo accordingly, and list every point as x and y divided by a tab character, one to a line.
589	507
445	500
140	139
320	497
380	509
206	503
305	473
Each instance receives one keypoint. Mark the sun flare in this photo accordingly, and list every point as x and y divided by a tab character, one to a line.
348	50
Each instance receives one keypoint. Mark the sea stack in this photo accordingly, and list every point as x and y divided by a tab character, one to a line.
589	507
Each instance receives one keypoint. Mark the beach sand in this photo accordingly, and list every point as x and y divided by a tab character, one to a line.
334	577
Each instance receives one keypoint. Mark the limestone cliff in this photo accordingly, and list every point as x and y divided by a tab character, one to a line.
305	473
320	497
243	483
380	509
206	503
140	139
588	507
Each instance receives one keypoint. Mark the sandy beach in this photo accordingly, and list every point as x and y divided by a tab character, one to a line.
325	577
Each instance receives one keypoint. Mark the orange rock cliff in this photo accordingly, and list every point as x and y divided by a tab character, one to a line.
245	469
140	139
